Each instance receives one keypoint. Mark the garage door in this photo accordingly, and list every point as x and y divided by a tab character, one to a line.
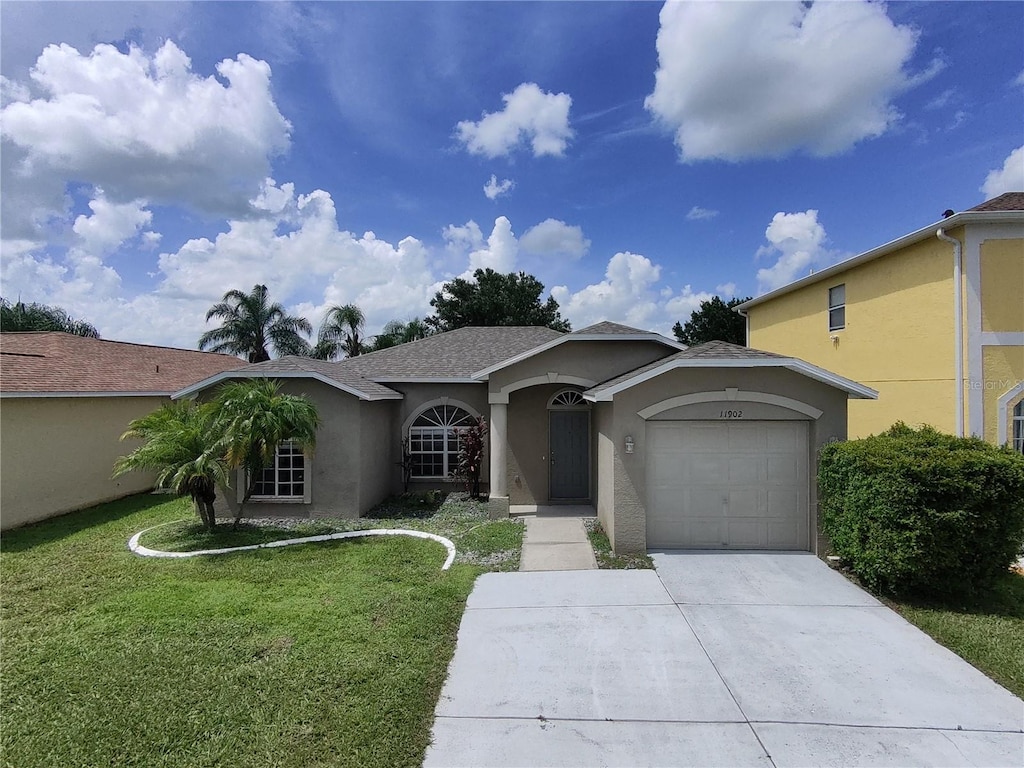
727	485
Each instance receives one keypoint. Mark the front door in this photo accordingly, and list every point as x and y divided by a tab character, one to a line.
569	454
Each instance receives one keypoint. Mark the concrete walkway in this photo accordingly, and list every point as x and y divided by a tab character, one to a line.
761	659
556	544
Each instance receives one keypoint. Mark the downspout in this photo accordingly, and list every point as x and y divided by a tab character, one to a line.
958	320
746	321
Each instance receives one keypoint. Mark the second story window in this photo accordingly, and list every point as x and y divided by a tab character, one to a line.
837	308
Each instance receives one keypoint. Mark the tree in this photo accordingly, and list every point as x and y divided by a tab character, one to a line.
251	323
340	333
492	298
196	447
715	320
396	332
181	444
253	417
20	316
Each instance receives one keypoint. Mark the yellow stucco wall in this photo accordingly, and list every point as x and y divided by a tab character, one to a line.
1003	368
1002	285
898	338
57	453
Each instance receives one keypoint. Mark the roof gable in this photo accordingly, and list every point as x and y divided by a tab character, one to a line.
52	363
721	354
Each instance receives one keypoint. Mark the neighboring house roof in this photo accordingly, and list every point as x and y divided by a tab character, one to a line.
54	364
604	331
721	354
1007	208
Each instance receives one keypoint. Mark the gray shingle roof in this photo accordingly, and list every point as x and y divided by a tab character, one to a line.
453	355
609	328
333	371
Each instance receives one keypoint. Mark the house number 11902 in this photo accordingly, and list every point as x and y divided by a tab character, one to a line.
731	415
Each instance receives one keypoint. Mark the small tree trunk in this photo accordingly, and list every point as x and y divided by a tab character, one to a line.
211	517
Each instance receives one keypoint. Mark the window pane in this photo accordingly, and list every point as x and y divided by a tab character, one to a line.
837	296
837	319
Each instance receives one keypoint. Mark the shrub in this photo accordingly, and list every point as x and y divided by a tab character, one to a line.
919	511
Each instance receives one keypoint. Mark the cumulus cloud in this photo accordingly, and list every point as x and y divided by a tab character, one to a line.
300	252
531	115
111	223
726	290
700	214
555	238
141	127
495	189
627	294
742	80
797	240
1009	178
499	252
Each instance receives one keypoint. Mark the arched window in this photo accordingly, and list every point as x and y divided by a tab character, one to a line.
1018	427
434	441
568	400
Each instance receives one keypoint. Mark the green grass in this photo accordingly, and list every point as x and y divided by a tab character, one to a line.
312	655
987	631
606	558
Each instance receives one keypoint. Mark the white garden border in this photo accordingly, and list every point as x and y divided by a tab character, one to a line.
138	549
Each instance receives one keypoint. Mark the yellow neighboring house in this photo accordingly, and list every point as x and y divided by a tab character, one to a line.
934	321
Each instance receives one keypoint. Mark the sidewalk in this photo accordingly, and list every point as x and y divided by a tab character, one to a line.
556	544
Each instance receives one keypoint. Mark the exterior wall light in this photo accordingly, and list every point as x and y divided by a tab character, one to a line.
629	443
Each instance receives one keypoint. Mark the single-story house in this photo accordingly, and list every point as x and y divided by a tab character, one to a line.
711	446
64	403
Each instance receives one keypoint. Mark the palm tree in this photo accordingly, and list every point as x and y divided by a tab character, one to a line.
20	316
251	322
396	332
253	417
340	333
180	444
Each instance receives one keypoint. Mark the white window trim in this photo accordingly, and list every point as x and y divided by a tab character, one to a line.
582	405
832	308
1004	410
307	486
409	426
1018	443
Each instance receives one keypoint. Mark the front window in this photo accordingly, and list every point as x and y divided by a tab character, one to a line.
1018	427
434	441
837	307
286	477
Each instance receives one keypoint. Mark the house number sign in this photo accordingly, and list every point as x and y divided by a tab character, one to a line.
730	415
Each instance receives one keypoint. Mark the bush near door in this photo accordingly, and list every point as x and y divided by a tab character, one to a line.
916	511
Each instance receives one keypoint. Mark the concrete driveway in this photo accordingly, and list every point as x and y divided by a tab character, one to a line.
759	659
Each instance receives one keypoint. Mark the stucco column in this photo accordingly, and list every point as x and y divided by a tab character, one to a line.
499	443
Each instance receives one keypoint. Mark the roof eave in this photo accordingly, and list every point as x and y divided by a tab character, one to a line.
80	393
853	389
236	374
954	221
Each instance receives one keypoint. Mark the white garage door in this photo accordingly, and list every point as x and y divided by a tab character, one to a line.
727	485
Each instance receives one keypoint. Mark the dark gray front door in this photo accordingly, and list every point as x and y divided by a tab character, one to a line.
570	454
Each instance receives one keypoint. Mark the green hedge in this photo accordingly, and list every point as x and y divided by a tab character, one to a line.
918	511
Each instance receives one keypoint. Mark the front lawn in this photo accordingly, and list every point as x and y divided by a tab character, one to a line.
987	631
312	655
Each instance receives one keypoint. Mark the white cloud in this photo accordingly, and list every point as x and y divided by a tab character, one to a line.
798	240
627	294
531	115
1009	178
1019	80
110	223
740	80
555	238
700	214
498	253
495	189
726	290
140	127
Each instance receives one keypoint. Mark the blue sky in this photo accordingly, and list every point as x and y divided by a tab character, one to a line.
636	158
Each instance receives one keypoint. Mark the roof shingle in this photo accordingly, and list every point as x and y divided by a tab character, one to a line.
50	362
1008	201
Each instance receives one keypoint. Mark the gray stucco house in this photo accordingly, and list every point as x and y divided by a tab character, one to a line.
708	447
